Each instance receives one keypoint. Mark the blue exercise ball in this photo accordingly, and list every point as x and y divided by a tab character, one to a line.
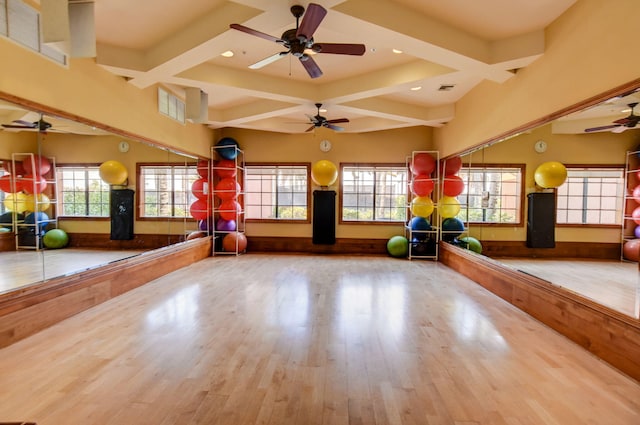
419	225
227	148
451	228
42	219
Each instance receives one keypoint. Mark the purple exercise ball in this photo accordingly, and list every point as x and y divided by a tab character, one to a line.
226	225
637	232
205	225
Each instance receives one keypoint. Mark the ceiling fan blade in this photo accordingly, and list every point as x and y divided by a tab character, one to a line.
335	127
311	66
310	22
266	61
24	123
255	32
310	128
340	48
338	120
601	128
621	128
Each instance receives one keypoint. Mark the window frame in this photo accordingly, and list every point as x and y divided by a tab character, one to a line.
60	197
140	193
591	225
520	216
307	165
344	165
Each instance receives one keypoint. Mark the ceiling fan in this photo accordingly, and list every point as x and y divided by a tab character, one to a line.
41	125
621	124
300	38
320	121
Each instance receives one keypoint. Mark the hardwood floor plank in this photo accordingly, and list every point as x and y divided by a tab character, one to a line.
261	339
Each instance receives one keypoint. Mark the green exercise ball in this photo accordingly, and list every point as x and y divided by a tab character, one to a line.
55	238
398	246
472	244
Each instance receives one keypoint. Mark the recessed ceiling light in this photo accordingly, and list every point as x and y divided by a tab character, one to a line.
397	51
227	54
416	88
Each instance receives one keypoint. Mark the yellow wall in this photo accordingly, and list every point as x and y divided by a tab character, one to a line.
593	148
587	53
381	147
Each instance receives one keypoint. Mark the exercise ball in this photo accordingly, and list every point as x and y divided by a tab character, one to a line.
635	215
196	234
6	219
234	242
5	184
227	188
225	225
398	246
421	206
449	207
200	209
324	173
225	168
229	209
33	183
422	248
422	163
451	166
631	250
636	194
113	172
202	168
36	165
550	174
452	186
227	148
473	244
636	232
37	219
206	224
15	202
451	228
420	225
55	239
18	170
39	202
422	185
200	188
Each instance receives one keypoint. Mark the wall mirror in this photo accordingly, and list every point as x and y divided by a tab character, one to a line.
80	200
586	258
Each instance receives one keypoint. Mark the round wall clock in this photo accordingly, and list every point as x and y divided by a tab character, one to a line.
123	146
325	146
540	146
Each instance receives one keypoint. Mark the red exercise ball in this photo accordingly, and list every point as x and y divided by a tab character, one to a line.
227	188
451	166
200	188
203	168
631	250
200	210
36	165
635	215
422	163
234	240
19	168
452	186
422	185
33	184
229	209
636	194
5	184
225	168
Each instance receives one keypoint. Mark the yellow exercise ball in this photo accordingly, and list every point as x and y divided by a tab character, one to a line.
324	173
113	172
16	202
550	174
449	207
42	200
421	206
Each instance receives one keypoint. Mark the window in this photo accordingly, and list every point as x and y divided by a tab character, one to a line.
492	194
21	23
164	190
277	192
373	193
591	195
170	105
81	191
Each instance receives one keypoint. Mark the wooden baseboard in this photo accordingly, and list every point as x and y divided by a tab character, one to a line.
139	241
7	241
35	307
306	245
608	334
609	251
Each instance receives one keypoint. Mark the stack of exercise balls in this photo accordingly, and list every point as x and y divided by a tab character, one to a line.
25	200
631	247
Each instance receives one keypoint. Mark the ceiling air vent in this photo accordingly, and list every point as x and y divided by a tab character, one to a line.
446	87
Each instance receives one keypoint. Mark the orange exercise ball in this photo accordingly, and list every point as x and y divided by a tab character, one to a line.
631	250
234	240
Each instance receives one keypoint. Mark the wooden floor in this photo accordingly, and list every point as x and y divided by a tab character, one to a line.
615	284
262	339
22	268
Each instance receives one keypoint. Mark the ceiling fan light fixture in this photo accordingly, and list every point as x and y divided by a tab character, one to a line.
416	88
397	51
227	54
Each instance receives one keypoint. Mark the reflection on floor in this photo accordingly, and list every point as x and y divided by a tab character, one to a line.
21	268
615	284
